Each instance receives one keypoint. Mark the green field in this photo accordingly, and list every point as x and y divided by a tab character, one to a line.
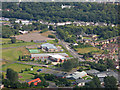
18	44
5	40
89	49
26	75
13	54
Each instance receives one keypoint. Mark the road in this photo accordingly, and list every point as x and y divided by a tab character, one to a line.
72	52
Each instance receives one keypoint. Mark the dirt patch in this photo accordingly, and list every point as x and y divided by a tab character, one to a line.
32	36
47	33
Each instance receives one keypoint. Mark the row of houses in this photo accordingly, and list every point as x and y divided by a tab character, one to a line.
76	23
4	19
97	57
103	42
110	47
66	6
23	22
102	56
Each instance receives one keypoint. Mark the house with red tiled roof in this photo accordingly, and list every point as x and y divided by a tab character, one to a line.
35	81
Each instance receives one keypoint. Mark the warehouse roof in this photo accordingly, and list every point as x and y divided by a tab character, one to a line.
49	46
77	75
57	56
92	71
48	54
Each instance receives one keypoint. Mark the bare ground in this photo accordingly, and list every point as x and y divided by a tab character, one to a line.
32	36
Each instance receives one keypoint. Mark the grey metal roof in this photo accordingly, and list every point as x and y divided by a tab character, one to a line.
92	71
49	46
82	80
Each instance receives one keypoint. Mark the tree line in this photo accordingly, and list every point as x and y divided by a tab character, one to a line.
69	32
52	12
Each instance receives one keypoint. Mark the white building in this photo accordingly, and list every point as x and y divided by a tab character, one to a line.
67	23
60	24
24	22
57	58
23	32
75	44
66	6
77	75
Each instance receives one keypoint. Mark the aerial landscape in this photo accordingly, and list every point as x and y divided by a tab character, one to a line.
66	45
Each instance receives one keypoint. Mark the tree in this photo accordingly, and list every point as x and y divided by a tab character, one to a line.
56	40
13	40
51	36
101	61
71	63
19	58
51	27
15	84
110	63
67	65
110	82
24	85
95	83
6	83
32	84
12	75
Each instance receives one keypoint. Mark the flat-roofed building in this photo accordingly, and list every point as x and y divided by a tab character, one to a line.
48	55
49	47
57	58
77	75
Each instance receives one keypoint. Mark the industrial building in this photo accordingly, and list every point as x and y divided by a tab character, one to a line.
49	47
77	75
55	57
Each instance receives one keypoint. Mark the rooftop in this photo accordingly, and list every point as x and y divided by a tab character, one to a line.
57	56
49	46
77	75
48	54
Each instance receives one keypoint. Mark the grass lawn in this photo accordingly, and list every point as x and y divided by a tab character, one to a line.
18	44
51	41
16	67
13	54
26	75
5	40
86	38
89	49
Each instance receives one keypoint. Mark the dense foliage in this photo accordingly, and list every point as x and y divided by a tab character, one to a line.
68	33
69	64
58	80
97	12
13	40
8	31
12	81
110	82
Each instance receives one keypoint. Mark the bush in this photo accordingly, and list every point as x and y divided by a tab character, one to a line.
13	40
43	31
51	36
